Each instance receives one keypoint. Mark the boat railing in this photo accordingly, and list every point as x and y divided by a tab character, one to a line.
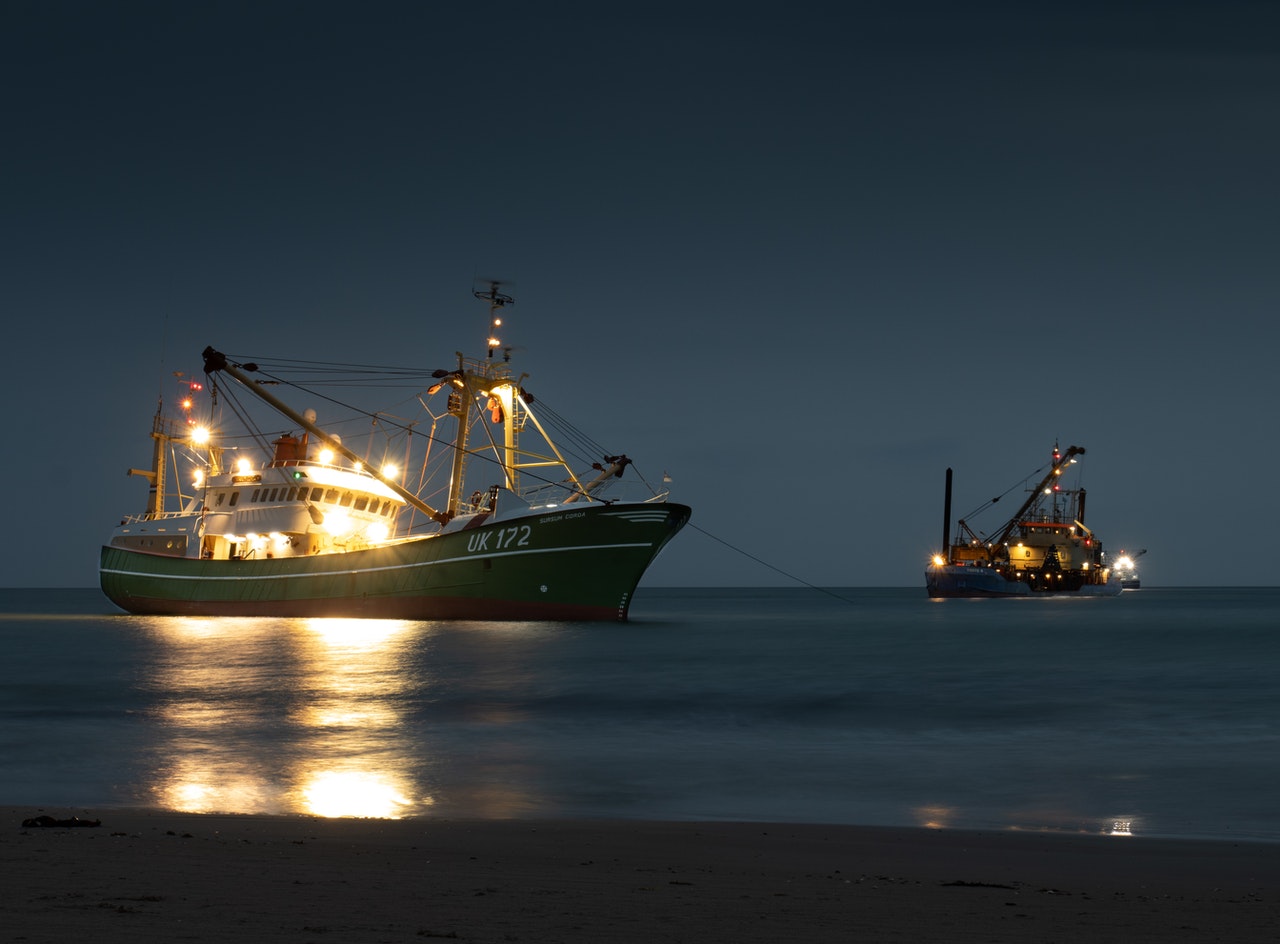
558	493
551	493
1047	520
158	516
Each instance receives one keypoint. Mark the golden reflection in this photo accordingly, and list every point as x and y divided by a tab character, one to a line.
356	634
335	713
190	629
355	669
197	787
335	793
294	716
195	713
354	666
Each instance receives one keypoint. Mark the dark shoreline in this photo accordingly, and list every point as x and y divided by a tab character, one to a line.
212	877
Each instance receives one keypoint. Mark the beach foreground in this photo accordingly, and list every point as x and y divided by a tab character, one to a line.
156	875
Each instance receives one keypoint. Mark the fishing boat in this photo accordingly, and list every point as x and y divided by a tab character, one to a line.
291	522
1044	549
1127	567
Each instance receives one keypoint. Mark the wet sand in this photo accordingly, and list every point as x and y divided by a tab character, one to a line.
163	876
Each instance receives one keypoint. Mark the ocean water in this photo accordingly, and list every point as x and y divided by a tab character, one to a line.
1157	710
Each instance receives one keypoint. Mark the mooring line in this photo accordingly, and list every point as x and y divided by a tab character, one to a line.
765	563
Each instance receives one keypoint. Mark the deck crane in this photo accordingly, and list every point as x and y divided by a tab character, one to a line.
1060	461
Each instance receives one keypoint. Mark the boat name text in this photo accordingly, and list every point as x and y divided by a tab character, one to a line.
503	538
562	516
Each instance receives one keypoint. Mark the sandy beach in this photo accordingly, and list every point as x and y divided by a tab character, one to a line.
164	876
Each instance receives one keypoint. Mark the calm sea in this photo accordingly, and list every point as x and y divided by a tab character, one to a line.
1158	709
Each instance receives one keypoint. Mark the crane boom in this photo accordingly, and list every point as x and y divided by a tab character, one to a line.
1054	471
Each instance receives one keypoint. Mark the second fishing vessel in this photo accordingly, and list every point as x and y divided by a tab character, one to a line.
1126	567
1043	549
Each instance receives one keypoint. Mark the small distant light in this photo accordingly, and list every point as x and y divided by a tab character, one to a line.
389	471
244	466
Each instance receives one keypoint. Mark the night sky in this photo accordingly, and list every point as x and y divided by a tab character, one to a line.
801	260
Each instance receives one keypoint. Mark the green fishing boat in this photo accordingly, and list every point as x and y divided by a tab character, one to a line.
292	522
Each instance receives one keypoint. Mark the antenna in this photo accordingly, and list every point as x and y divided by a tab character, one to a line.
497	301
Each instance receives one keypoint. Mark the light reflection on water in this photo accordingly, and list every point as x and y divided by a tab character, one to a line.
228	687
1153	714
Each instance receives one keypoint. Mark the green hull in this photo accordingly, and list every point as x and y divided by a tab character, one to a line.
577	562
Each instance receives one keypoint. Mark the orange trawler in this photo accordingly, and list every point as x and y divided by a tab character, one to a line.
311	528
1043	550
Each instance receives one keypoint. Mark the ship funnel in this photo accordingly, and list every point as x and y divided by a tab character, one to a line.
946	518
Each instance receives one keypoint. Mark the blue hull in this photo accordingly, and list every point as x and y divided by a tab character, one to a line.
952	581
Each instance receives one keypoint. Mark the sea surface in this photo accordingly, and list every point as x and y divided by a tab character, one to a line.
1155	713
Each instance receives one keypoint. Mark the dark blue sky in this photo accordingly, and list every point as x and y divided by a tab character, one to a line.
802	260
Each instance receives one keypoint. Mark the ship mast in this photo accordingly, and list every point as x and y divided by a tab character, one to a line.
158	472
473	383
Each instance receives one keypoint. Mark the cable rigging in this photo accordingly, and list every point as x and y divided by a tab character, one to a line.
582	448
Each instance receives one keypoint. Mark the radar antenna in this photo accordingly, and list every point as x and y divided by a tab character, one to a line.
497	301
